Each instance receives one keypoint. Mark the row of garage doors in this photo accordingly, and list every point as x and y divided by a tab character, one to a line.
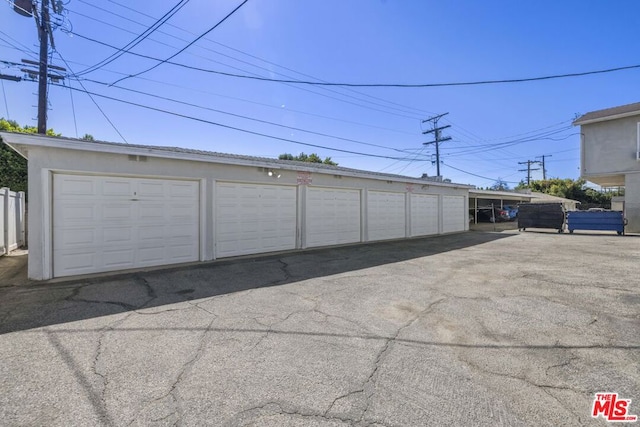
103	223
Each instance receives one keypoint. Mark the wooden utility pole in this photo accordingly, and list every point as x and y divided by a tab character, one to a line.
544	169
44	30
528	169
437	137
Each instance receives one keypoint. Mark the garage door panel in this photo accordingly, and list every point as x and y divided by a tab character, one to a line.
151	255
123	234
151	189
332	216
76	212
117	212
110	223
424	214
254	218
77	262
119	187
386	215
454	214
78	237
181	211
118	258
75	186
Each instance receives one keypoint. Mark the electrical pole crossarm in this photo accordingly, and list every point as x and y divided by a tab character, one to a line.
446	138
435	118
436	129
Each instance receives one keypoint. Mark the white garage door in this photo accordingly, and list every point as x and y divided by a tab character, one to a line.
424	214
103	223
333	216
254	218
386	215
453	214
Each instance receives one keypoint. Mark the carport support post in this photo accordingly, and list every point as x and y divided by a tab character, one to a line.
475	213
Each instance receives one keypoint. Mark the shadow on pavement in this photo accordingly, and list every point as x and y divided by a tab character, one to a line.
34	304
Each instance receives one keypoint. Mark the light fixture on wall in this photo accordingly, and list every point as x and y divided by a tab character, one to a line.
274	173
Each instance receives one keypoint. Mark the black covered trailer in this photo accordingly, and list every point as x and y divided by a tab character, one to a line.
541	215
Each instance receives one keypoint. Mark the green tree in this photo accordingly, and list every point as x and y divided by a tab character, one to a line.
88	137
13	167
571	189
499	185
311	158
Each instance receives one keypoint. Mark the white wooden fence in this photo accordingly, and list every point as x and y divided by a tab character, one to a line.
12	220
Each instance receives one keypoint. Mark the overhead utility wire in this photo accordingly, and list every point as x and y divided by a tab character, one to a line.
250	132
206	70
91	97
406	107
262	104
484	147
478	176
425	85
403	110
188	45
133	43
481	82
247	118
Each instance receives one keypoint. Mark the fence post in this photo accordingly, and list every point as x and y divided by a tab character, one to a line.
23	223
5	219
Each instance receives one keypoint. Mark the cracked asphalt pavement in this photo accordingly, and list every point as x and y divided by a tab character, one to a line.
493	329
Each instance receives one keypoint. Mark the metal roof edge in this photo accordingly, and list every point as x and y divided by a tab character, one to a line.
14	138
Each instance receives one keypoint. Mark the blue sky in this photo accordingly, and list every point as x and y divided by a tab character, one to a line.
493	127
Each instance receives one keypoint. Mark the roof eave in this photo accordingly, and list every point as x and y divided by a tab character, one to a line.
580	122
54	142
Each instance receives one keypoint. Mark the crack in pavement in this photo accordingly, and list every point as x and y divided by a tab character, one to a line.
543	387
369	385
151	293
99	348
76	291
183	372
279	408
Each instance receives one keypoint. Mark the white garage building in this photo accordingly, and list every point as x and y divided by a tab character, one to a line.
98	206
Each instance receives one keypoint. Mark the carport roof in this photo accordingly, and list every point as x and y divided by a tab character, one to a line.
21	142
504	195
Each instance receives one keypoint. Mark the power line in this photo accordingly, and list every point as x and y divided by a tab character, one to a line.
544	169
261	104
437	137
90	97
405	107
398	85
247	118
188	45
133	43
403	110
528	169
189	67
478	176
250	132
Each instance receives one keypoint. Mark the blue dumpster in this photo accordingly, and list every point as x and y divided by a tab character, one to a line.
605	220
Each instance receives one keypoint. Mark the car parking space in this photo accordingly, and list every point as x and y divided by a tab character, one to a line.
432	331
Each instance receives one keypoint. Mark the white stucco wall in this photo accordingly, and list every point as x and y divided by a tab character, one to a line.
632	202
43	161
610	147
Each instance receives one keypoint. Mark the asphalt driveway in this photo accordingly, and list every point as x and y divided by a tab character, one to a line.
470	329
